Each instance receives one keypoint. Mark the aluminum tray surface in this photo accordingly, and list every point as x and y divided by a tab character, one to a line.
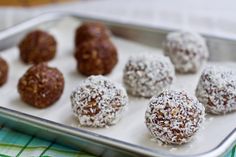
131	128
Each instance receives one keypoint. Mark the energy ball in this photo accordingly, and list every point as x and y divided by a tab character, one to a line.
41	86
91	30
146	76
37	46
95	57
3	71
187	51
216	89
173	117
98	102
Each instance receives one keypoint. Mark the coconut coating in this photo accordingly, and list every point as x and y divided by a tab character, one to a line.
3	71
91	30
98	102
37	46
96	57
147	76
187	51
41	86
216	89
173	117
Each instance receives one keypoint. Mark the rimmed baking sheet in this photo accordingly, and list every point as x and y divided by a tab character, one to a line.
131	128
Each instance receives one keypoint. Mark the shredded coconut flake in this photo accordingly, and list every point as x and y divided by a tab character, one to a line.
98	102
216	89
146	76
173	149
186	50
173	117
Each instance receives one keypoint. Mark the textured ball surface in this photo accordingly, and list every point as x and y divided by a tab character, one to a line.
173	117
146	76
97	102
90	30
216	89
37	47
187	51
4	68
41	86
96	57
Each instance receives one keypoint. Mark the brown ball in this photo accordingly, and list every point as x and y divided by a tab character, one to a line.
188	51
41	85
98	102
173	117
90	30
216	89
148	75
3	71
96	57
37	46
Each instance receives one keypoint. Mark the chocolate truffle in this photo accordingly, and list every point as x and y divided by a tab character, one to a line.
90	30
37	46
148	75
98	102
173	117
96	57
187	51
41	86
216	89
3	71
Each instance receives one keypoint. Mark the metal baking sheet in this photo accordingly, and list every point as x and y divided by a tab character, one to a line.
214	139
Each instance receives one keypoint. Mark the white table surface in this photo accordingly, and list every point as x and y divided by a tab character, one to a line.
216	17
